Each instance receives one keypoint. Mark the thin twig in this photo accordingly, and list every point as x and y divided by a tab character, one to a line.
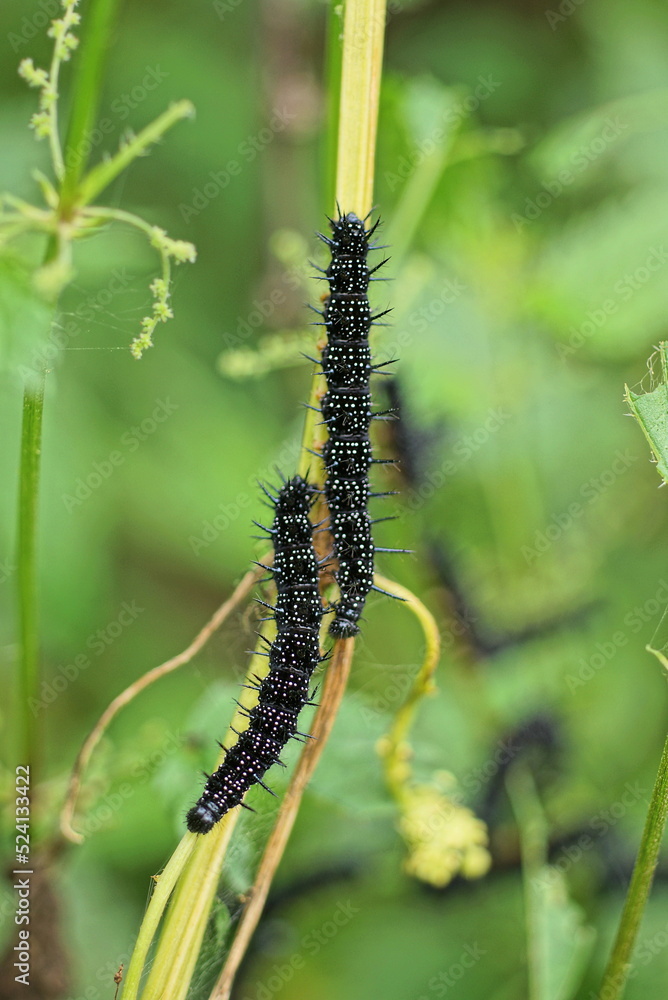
332	693
66	816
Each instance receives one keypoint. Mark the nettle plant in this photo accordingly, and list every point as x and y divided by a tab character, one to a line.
37	252
69	212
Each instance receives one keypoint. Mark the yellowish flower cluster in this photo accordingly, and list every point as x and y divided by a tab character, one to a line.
65	41
444	838
181	252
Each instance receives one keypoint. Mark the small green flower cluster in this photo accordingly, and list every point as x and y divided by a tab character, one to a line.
69	214
65	42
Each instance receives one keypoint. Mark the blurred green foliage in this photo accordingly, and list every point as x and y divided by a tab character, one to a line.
523	182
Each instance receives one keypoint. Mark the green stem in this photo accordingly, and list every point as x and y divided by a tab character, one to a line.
86	89
619	965
333	61
104	173
31	445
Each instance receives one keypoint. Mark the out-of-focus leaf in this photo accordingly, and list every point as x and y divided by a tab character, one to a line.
585	137
558	940
659	642
561	939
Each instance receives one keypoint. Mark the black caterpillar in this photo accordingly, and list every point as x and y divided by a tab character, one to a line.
346	410
293	656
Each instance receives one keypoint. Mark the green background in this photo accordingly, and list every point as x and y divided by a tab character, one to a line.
522	177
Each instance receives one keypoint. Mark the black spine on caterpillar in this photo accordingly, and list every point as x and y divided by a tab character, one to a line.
346	410
294	655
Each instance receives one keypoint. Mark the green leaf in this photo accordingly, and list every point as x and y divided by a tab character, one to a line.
562	943
651	411
558	941
658	645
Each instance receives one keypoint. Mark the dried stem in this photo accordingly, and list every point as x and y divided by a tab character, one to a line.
125	697
332	694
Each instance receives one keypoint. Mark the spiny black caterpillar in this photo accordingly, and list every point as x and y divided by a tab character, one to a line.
293	656
346	410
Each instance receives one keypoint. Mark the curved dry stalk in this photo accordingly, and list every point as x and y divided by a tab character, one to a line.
125	697
334	686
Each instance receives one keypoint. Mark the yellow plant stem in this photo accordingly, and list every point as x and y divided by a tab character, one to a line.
394	746
165	883
181	935
186	920
332	693
364	22
363	34
100	176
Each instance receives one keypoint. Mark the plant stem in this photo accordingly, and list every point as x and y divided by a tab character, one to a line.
31	446
105	172
332	75
395	744
619	964
194	885
165	883
533	832
86	92
362	67
333	690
